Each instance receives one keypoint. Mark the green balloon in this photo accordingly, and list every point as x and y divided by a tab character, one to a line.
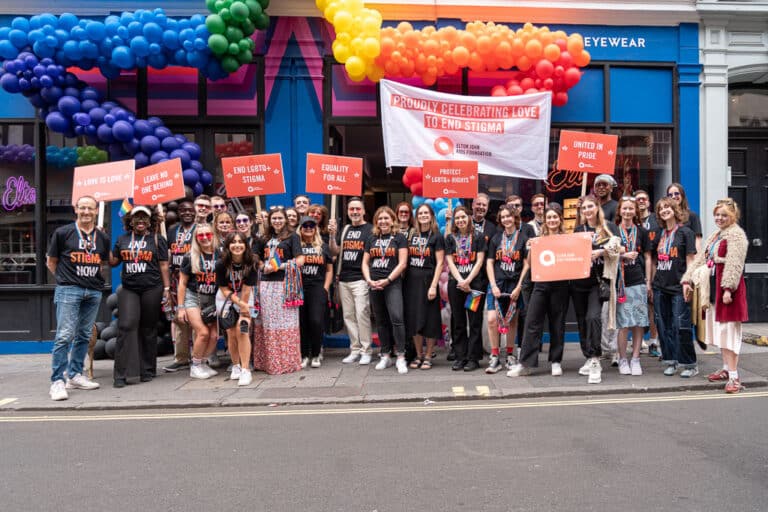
264	4
247	27
233	34
245	57
225	15
261	22
254	7
239	11
233	49
215	24
218	44
229	64
211	5
218	5
243	45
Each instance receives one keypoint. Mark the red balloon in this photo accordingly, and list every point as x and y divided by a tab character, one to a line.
413	173
548	84
559	99
406	180
572	77
527	83
417	188
565	60
498	90
544	69
514	90
532	90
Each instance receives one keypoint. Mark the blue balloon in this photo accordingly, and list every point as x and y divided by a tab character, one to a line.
81	119
7	50
198	188
122	131
57	122
123	57
142	128
206	178
132	146
150	144
196	165
10	83
171	39
430	202
96	30
141	159
162	132
97	115
417	201
140	46
20	24
90	93
109	119
183	155
104	133
440	203
193	150
51	94
158	156
155	122
18	38
69	105
153	32
191	177
67	21
441	216
87	105
46	81
170	143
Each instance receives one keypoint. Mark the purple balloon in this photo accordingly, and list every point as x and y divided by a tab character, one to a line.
10	83
132	146
206	178
158	156
141	159
57	122
97	115
109	119
196	165
69	105
162	132
155	121
198	188
191	177
183	155
170	143
82	119
87	105
122	130
193	150
104	133
150	144
142	128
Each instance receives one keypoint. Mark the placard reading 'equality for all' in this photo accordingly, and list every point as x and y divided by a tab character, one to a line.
450	178
331	174
110	181
253	175
158	183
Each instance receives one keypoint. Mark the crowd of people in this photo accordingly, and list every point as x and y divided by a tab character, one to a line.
265	282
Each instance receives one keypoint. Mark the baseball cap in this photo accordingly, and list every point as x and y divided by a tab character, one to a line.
606	178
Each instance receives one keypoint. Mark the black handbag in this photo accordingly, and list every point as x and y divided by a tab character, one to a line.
604	289
228	317
208	313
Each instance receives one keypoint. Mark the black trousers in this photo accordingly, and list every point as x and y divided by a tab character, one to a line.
588	308
467	347
550	300
387	306
526	291
312	316
136	349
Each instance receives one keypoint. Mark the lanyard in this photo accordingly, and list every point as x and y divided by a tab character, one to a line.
505	318
665	244
712	249
383	248
90	243
509	245
181	237
464	244
629	239
209	276
423	242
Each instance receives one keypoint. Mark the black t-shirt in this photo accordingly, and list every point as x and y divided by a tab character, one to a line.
80	256
634	240
352	249
141	260
596	271
609	210
464	251
693	223
285	250
422	248
508	254
179	244
383	254
651	225
485	228
316	261
204	281
671	250
234	279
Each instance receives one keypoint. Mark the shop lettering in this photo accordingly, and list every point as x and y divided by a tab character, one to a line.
614	42
18	192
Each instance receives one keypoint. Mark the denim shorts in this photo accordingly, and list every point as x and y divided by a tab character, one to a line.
191	300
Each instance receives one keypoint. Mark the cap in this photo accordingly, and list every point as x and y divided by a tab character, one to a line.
307	220
141	209
607	178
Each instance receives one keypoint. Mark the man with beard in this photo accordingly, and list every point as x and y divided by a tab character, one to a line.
604	185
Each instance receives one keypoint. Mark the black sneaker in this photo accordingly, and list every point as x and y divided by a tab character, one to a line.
451	355
175	366
471	366
458	365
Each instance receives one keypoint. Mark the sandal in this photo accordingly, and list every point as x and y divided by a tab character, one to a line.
426	364
416	363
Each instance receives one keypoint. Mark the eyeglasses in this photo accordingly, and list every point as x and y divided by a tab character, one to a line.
516	206
202	205
219	207
673	194
602	184
242	221
86	208
641	198
204	236
537	203
403	212
307	226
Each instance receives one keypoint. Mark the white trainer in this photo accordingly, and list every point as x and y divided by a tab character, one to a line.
245	378
635	368
624	367
197	371
402	366
236	372
304	362
517	370
351	358
584	370
315	362
80	381
557	370
365	359
384	363
595	372
58	390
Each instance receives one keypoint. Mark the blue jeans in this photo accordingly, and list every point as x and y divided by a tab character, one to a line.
673	321
76	310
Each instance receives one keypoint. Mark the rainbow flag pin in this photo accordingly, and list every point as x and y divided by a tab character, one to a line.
473	300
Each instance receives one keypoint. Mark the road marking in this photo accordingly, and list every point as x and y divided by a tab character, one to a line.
459	391
485	405
6	401
483	390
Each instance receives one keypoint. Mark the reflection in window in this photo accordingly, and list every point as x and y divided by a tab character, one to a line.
748	108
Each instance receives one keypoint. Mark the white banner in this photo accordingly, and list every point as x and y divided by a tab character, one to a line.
508	136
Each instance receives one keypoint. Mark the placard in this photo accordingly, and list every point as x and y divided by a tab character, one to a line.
104	182
587	152
253	175
331	174
158	183
561	257
450	178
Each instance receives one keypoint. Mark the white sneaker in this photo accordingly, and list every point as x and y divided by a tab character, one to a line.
402	366
557	370
511	361
245	378
635	368
384	363
210	371
58	390
624	367
351	358
516	370
236	372
315	362
80	381
304	362
595	372
196	371
365	359
584	370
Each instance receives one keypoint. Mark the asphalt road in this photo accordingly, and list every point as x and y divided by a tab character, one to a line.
696	452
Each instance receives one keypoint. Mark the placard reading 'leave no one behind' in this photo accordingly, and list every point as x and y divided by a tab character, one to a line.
158	183
561	257
253	175
450	178
587	152
331	174
104	182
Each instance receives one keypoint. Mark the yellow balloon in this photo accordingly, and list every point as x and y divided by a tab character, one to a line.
355	66
343	37
342	21
357	45
320	4
374	72
341	52
370	25
371	48
330	11
357	78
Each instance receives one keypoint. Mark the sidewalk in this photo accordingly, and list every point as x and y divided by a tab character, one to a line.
24	384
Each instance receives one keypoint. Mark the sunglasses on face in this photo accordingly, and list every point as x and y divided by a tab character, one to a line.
243	221
204	236
673	194
537	204
641	199
202	206
219	207
308	226
516	206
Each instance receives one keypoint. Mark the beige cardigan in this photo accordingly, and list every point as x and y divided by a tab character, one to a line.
610	270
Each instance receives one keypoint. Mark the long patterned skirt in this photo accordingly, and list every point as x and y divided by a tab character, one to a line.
276	340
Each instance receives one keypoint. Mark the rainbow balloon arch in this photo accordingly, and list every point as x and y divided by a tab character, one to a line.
35	53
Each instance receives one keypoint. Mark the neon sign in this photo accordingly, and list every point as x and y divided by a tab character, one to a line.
18	192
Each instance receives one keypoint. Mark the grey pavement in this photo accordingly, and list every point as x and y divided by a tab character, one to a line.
24	382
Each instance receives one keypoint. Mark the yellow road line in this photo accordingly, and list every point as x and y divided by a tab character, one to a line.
459	391
143	416
6	401
483	390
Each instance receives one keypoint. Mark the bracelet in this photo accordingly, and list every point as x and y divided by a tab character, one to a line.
167	289
389	280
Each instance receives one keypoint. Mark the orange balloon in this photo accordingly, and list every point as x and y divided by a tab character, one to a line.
503	50
483	45
451	68
449	34
412	39
406	69
582	59
533	49
546	37
387	46
575	44
391	69
476	62
551	52
460	56
431	46
420	64
468	40
431	60
518	47
491	64
523	63
404	27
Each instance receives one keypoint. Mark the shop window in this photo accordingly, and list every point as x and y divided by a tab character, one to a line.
586	100
123	89
236	95
641	95
748	108
172	91
18	259
643	161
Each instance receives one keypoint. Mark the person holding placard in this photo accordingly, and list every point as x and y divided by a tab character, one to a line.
426	252
316	276
143	254
384	261
76	254
278	337
465	249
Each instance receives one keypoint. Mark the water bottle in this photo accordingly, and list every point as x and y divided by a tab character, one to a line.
167	309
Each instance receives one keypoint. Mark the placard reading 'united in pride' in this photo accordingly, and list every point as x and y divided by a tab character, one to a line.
104	182
450	178
158	183
253	175
587	152
331	174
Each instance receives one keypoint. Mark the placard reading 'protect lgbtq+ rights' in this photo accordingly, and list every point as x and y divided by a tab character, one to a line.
450	178
158	183
587	152
109	181
253	175
331	174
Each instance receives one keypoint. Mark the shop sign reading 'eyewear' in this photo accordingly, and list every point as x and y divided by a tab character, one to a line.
253	175
330	174
450	178
158	183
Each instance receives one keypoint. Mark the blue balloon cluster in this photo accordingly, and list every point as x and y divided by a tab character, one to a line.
131	40
439	206
69	106
71	157
17	154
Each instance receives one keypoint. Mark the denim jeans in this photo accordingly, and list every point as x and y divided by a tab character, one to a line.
673	321
76	310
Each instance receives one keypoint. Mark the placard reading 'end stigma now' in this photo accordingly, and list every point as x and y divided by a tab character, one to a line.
450	178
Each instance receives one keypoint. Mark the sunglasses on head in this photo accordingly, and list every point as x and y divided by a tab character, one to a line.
727	202
629	198
204	236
